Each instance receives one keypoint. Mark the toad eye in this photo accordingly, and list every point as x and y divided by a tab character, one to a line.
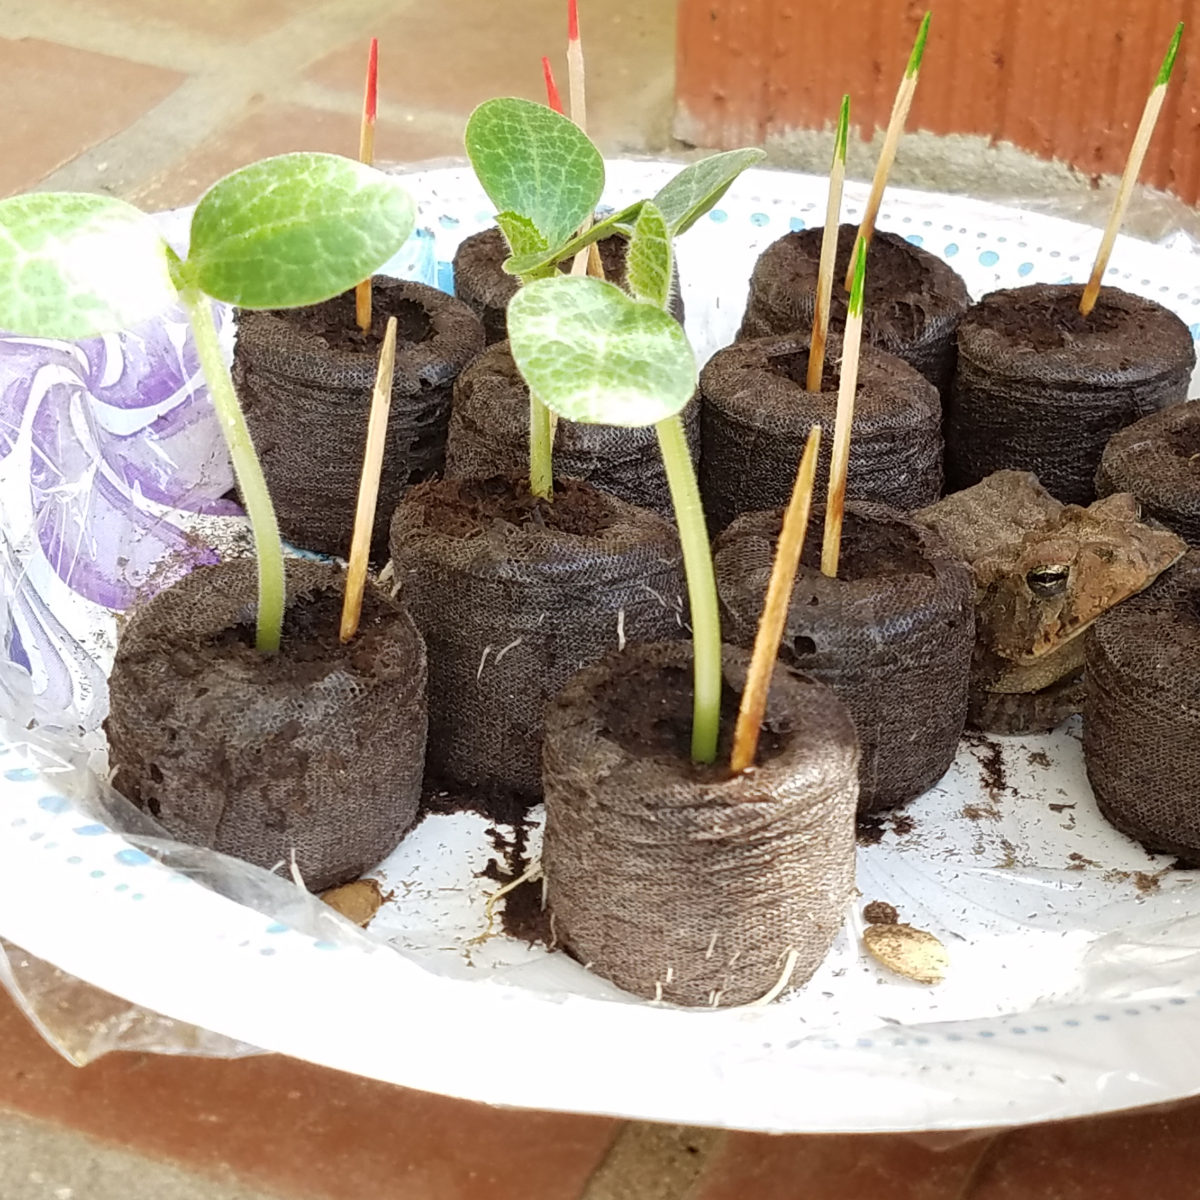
1048	582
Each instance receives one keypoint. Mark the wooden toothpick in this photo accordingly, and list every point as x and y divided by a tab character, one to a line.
587	261
891	139
1133	168
831	546
366	154
829	240
775	609
368	486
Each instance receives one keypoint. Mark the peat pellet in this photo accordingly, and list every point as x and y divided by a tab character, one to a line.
911	307
756	416
1141	716
481	282
1041	388
304	378
513	596
891	635
489	434
316	750
684	883
1158	460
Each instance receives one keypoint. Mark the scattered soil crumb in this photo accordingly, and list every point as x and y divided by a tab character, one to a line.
910	952
1079	863
991	764
358	901
981	812
1145	881
1039	758
1060	807
1010	860
870	829
902	824
880	912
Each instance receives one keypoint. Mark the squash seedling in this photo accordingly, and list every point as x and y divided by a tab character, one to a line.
545	178
597	355
286	232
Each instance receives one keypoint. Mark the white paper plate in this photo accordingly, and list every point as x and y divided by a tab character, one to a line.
1074	984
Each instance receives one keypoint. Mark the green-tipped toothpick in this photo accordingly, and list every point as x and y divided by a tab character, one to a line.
831	546
829	239
1133	168
887	156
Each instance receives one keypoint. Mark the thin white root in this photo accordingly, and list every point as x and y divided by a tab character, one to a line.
297	878
658	991
389	570
482	660
620	629
712	945
501	653
534	872
777	990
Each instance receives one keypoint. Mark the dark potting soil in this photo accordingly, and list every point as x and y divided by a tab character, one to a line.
873	550
464	507
501	805
335	321
1049	320
647	711
880	912
1184	443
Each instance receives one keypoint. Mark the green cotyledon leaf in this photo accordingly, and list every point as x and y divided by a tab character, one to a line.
594	355
296	229
536	163
75	265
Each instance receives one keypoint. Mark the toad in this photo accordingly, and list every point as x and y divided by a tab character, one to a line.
1044	571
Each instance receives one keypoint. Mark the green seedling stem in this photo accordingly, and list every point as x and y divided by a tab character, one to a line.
252	484
702	587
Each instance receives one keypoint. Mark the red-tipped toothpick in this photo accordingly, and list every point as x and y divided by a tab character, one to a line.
891	139
368	487
366	154
775	609
1133	168
831	545
829	239
552	97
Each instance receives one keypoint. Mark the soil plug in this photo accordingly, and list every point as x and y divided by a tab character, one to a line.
775	609
891	140
836	503
368	491
1133	168
75	265
366	155
829	240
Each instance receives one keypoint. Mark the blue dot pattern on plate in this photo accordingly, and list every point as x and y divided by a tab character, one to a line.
719	215
20	774
1025	269
914	239
90	830
131	858
797	224
54	804
951	249
989	258
759	219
